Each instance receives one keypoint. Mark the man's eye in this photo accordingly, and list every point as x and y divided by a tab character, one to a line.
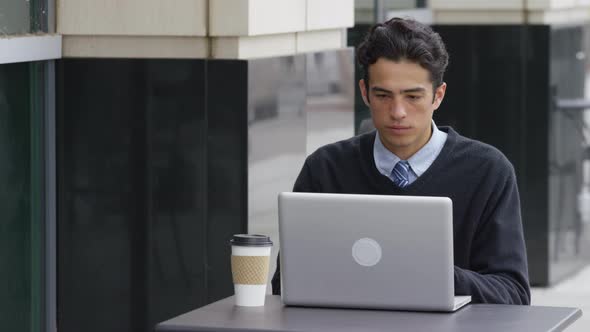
412	97
381	96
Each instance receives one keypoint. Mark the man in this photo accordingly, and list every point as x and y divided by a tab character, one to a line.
404	62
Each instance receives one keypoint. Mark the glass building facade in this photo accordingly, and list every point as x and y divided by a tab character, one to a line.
23	167
22	195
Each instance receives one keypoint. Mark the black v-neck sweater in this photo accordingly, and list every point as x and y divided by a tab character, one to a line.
489	249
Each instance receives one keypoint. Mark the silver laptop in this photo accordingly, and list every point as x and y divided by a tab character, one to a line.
367	251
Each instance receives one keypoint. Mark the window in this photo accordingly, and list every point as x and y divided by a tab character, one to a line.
19	17
21	196
27	249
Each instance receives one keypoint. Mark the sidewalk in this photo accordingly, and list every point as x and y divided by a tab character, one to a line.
572	292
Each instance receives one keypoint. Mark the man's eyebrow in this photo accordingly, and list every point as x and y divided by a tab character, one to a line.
378	89
413	90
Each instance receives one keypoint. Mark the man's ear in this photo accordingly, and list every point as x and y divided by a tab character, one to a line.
363	88
439	95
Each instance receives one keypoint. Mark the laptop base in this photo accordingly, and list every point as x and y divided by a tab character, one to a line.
460	302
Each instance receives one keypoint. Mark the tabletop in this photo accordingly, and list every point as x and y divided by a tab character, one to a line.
223	315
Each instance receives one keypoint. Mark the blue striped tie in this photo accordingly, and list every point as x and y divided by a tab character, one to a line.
400	175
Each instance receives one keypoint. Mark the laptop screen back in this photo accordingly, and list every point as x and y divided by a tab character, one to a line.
366	251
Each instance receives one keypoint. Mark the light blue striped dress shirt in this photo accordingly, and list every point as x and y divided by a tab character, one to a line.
385	160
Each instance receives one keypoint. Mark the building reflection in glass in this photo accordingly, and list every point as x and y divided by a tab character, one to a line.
295	105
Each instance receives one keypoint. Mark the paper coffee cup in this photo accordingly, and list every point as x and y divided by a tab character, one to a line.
249	264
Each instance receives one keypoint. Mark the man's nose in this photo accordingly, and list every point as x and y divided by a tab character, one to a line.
397	109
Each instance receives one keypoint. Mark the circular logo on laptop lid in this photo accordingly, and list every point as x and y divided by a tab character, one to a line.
366	252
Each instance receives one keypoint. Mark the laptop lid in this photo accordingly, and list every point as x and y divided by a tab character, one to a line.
366	251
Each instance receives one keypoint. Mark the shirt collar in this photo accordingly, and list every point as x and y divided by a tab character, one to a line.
385	160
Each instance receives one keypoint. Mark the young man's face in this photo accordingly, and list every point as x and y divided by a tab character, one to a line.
401	100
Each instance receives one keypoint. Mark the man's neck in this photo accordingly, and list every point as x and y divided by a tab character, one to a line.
406	153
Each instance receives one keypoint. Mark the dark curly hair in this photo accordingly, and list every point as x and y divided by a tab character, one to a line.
404	39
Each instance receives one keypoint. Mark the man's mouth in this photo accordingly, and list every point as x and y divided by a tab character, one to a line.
398	127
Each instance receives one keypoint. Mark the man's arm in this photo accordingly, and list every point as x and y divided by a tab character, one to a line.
498	271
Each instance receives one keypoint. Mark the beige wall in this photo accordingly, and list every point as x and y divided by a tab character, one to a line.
132	17
235	29
510	11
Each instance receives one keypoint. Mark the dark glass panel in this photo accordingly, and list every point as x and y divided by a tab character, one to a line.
227	172
504	84
131	192
21	234
498	92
